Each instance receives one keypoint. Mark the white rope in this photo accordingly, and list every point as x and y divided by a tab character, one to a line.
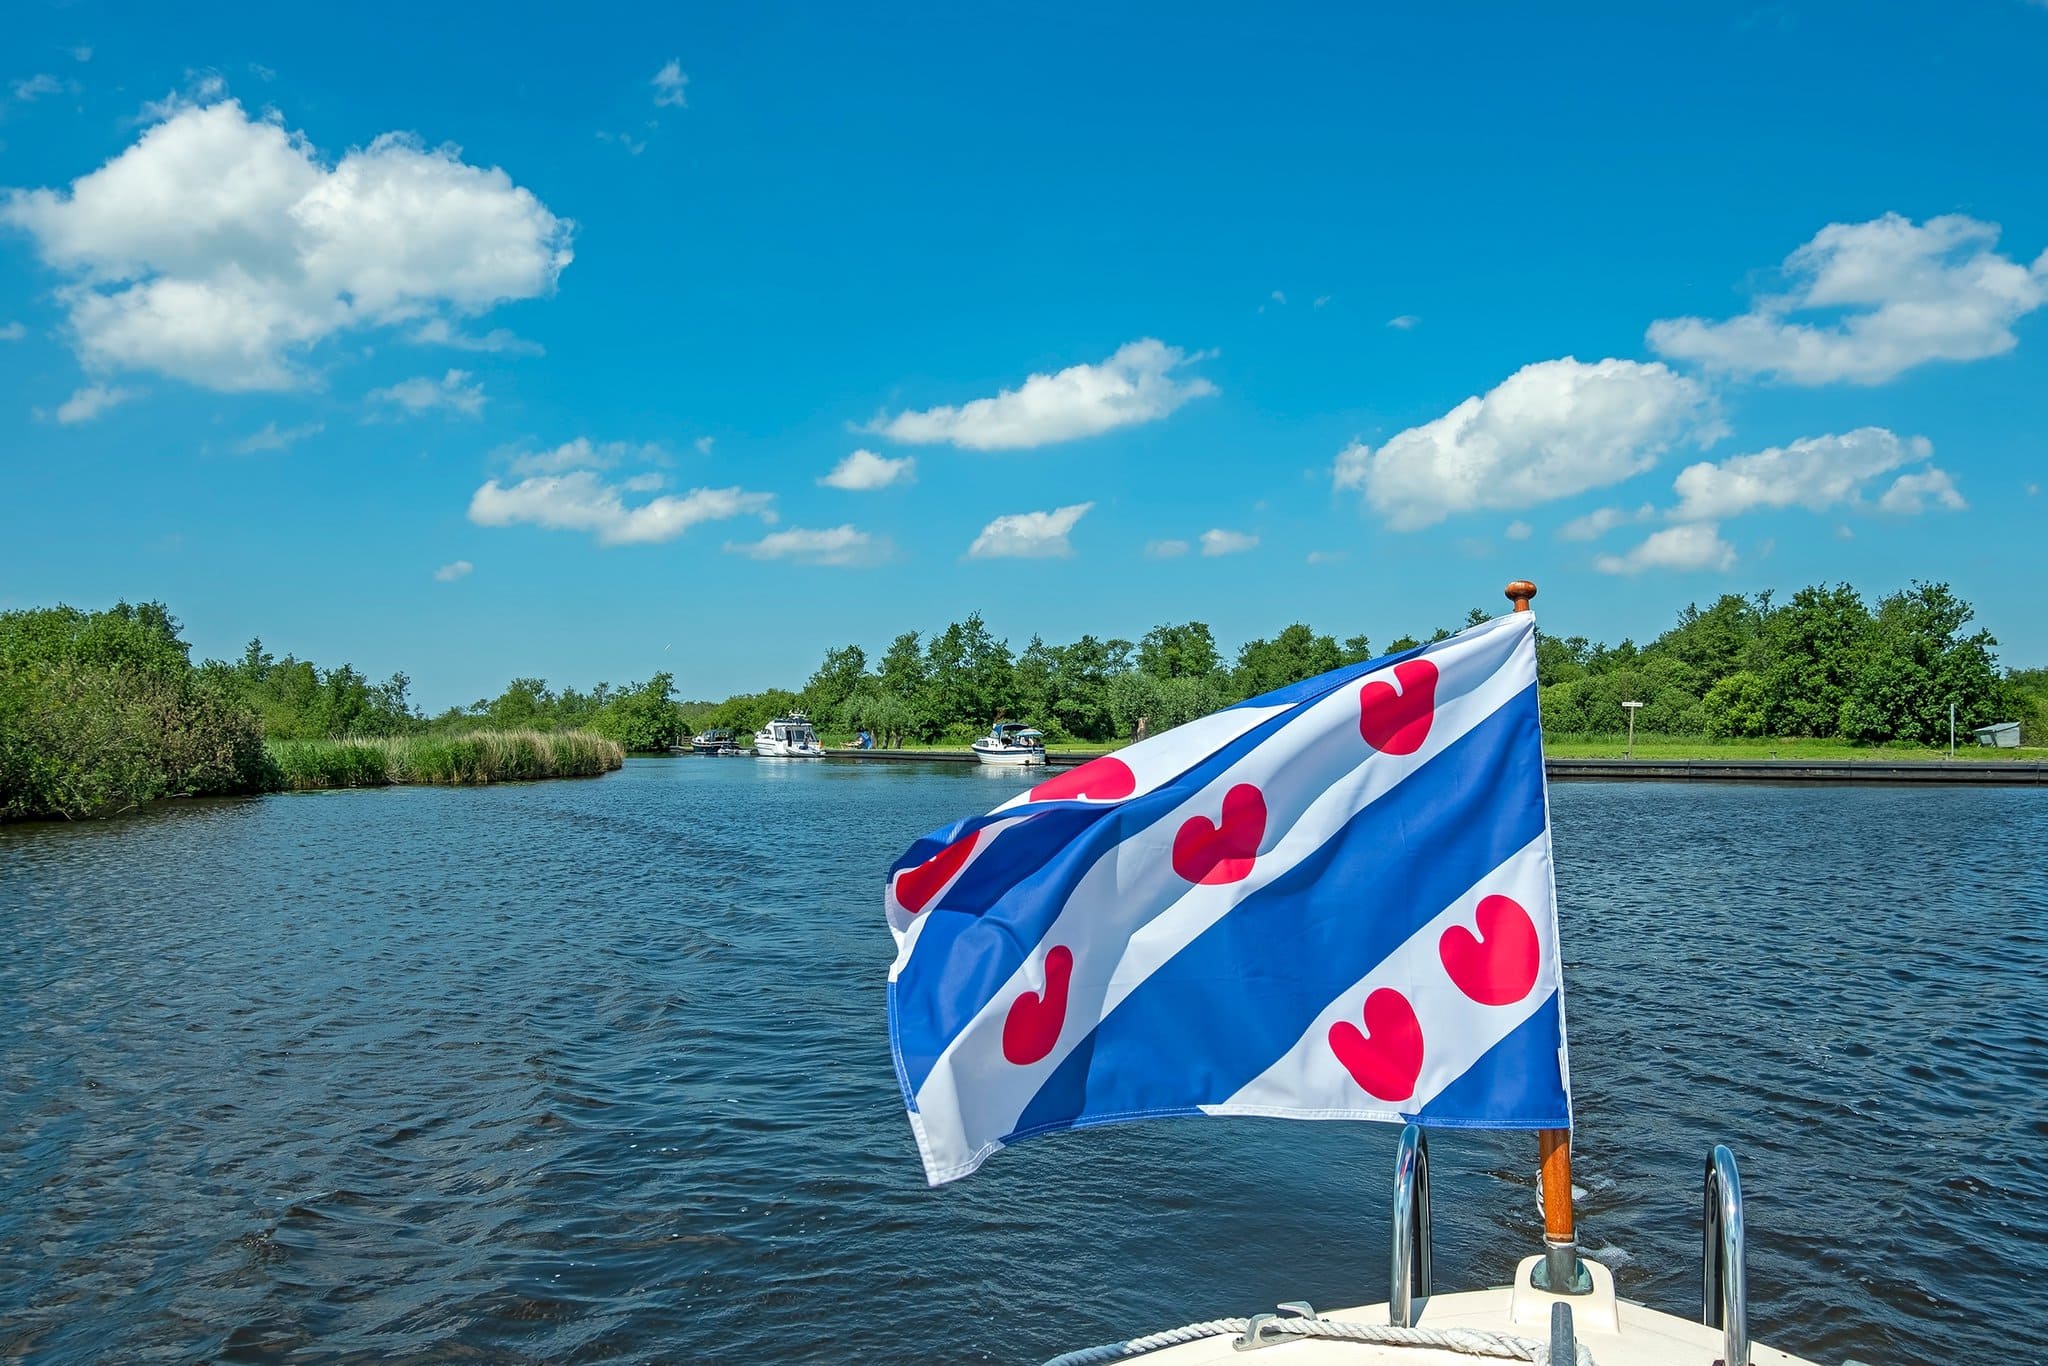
1465	1341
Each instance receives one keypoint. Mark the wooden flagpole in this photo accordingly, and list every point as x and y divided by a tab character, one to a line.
1560	1272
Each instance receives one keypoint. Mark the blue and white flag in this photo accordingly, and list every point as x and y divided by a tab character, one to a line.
1334	901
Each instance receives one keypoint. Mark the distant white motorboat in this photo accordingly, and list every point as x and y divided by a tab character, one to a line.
1011	742
788	737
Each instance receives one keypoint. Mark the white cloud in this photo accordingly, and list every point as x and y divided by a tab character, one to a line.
1517	530
1907	294
1278	297
1134	385
634	146
1696	545
81	53
89	402
1817	473
1406	322
864	471
1910	494
1600	521
275	438
581	501
440	332
218	249
704	444
1217	541
1029	535
13	332
453	570
1328	556
1165	550
840	545
1322	299
580	454
1549	430
201	87
29	89
454	392
671	86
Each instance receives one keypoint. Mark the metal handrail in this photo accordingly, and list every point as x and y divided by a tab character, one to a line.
1411	1227
1726	1296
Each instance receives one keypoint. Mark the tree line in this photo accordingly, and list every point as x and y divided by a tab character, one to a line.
100	710
1823	664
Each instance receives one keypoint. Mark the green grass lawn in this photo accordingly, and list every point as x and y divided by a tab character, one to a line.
1679	747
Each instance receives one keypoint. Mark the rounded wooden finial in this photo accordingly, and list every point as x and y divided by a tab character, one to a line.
1519	592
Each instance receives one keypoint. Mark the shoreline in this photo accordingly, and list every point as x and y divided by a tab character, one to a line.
1924	772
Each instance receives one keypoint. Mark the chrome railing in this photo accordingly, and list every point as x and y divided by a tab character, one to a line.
1726	1298
1411	1227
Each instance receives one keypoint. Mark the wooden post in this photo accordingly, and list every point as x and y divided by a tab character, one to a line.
1560	1272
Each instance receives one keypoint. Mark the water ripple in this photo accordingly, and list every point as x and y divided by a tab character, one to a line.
596	1071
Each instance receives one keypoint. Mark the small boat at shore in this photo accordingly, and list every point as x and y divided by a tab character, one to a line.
1011	742
711	742
788	737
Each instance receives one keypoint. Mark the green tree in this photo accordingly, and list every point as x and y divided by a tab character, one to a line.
642	717
834	680
103	711
874	708
1293	655
903	674
1814	649
1914	662
1738	706
968	677
1184	651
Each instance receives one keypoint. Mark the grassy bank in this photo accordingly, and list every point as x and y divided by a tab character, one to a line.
486	756
1682	747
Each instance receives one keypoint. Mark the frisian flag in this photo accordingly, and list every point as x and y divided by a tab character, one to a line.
1334	901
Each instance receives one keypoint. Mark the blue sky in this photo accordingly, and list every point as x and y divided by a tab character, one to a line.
525	348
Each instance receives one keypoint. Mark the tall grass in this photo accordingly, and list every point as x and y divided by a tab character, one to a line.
485	756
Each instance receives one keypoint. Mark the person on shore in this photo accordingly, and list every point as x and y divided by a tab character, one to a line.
1143	725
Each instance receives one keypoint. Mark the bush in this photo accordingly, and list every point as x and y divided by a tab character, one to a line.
103	711
478	757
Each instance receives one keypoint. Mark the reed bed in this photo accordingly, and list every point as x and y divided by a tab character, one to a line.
484	756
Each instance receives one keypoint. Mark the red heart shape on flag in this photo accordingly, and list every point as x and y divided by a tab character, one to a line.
1398	722
915	887
1033	1025
1213	853
1497	966
1106	779
1386	1057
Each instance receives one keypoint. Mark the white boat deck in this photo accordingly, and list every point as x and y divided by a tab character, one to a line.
1616	1332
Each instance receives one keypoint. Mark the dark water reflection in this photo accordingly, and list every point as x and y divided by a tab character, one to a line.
597	1071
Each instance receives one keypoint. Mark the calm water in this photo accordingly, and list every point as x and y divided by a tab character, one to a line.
597	1071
